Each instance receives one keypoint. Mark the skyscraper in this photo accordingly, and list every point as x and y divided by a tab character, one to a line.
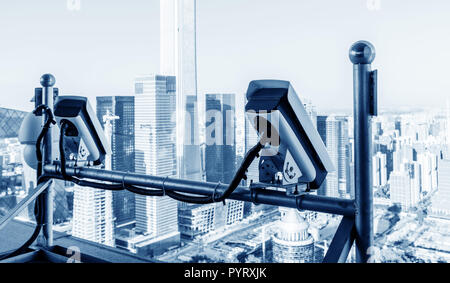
220	152
251	139
429	164
155	151
379	170
179	58
337	143
220	137
405	185
441	200
122	146
93	215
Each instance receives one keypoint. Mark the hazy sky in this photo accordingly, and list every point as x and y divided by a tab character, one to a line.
101	48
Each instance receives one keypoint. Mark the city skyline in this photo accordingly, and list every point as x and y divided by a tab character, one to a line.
168	79
138	52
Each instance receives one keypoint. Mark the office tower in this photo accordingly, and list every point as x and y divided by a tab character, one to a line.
441	200
429	164
322	127
155	154
93	215
379	170
400	189
337	143
122	147
195	219
220	152
389	152
351	169
191	153
378	129
178	52
251	139
405	185
220	137
292	242
398	125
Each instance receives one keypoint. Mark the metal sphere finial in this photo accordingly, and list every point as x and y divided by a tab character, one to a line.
48	80
362	52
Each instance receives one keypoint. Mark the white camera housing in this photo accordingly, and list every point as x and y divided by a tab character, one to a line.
78	112
275	109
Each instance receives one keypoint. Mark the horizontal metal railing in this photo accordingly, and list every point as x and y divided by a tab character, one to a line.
310	202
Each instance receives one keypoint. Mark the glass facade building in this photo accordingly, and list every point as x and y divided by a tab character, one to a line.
178	58
220	152
155	154
122	147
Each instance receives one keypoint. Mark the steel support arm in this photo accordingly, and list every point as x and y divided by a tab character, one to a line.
260	196
342	242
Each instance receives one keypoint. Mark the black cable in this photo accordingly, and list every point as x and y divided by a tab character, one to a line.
144	192
38	205
251	155
50	120
62	155
190	199
240	174
39	214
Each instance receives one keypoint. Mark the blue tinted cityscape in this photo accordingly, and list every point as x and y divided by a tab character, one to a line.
166	127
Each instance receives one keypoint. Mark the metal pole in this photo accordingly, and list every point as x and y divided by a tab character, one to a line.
305	202
362	54
47	82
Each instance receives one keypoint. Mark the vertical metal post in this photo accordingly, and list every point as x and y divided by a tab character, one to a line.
362	54
47	82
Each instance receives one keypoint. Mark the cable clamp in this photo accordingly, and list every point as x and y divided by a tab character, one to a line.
124	186
253	195
163	187
215	192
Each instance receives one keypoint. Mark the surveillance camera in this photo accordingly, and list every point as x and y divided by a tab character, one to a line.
295	149
82	123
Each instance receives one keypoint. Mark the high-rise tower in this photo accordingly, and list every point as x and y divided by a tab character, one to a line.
337	143
179	59
122	146
155	150
220	153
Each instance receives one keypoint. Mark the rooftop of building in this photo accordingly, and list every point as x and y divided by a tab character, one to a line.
16	233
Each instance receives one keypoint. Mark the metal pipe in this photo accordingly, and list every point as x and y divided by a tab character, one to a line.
261	196
47	82
362	54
